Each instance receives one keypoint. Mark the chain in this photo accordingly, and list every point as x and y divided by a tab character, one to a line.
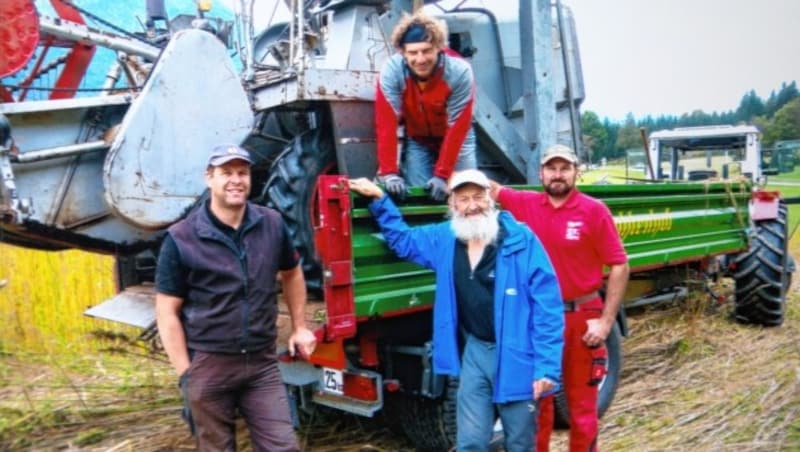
108	24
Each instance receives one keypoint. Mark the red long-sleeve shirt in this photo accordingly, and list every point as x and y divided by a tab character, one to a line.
438	115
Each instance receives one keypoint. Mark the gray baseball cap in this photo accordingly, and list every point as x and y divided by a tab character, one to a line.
224	153
468	176
561	152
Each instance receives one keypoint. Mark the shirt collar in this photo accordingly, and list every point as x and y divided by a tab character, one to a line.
222	226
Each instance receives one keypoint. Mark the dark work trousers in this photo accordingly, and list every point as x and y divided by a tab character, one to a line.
220	384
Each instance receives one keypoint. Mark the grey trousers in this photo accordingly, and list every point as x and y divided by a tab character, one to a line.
475	410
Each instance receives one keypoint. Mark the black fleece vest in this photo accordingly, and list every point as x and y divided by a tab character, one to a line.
231	302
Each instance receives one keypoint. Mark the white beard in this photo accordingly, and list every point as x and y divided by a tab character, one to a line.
477	227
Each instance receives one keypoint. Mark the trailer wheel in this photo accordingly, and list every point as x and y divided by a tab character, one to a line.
430	424
762	273
290	189
607	388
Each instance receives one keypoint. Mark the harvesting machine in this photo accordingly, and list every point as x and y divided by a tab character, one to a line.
106	164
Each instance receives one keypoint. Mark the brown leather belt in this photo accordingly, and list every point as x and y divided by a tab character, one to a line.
574	304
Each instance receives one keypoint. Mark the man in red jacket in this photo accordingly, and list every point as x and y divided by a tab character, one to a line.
429	90
579	235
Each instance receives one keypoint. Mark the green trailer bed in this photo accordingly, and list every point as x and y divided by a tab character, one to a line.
661	225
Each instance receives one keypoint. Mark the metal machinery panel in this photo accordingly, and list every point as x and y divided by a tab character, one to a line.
64	192
314	84
153	171
134	306
355	138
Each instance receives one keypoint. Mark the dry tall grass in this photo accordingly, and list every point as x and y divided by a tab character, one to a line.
694	380
45	294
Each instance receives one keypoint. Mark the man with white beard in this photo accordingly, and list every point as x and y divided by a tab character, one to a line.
497	313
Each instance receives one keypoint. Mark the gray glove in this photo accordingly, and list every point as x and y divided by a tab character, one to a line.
186	412
437	188
395	185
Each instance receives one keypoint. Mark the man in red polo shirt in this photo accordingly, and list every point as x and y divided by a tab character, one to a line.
579	235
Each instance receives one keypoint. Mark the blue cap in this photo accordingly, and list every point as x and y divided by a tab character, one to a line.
224	153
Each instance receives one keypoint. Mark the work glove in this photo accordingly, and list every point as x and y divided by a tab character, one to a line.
437	188
394	184
186	411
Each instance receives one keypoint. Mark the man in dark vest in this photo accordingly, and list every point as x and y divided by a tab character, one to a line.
216	310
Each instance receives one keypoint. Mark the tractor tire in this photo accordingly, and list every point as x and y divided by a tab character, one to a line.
762	274
607	388
429	423
291	188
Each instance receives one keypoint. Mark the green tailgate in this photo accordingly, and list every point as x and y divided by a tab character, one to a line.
660	224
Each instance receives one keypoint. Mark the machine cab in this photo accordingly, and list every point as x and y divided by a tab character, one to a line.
697	153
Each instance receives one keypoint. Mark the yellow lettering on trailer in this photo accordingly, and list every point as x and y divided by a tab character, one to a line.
652	222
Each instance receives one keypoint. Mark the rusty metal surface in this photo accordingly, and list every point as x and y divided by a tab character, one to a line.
317	84
192	101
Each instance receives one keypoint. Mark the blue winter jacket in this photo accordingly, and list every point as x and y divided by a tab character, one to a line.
528	309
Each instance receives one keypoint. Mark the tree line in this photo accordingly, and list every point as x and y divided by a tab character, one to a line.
777	117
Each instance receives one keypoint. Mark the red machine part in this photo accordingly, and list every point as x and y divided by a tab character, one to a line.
19	37
79	56
764	205
19	34
332	237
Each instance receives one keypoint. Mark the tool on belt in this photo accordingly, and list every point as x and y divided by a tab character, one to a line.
599	360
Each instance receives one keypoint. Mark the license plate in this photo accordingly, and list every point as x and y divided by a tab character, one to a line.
332	381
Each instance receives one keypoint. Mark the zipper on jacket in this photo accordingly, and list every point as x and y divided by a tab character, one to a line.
439	67
242	255
422	111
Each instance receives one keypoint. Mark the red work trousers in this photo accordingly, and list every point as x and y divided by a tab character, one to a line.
576	373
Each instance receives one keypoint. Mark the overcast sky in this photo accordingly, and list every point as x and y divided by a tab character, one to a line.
675	56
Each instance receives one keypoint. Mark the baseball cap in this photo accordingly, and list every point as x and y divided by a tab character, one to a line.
559	151
468	176
224	153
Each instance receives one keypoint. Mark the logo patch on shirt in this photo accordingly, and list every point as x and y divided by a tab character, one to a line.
573	230
511	291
